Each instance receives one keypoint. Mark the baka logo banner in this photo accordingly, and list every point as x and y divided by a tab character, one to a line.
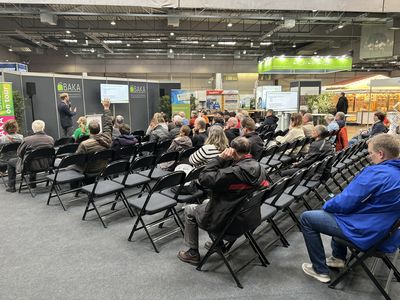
67	87
137	90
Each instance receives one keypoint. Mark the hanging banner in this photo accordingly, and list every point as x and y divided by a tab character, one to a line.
6	105
180	101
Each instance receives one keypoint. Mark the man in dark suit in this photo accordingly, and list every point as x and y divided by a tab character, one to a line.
342	104
66	113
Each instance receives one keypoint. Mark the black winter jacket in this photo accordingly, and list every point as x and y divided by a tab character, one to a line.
229	183
256	144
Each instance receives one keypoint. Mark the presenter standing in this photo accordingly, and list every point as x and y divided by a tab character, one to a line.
66	113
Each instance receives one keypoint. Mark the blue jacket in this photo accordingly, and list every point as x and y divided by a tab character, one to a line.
369	206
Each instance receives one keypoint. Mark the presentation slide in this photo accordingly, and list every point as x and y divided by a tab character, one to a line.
282	101
117	93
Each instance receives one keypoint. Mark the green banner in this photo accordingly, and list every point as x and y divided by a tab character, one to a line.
6	99
304	65
176	108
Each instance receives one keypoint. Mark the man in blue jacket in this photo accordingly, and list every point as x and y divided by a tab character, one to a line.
363	213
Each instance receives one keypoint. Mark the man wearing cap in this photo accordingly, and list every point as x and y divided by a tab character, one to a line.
66	113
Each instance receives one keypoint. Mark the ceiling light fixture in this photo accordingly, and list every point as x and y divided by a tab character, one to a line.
128	45
92	50
66	55
113	23
227	43
340	26
204	56
69	41
212	45
294	46
244	51
393	62
112	42
171	51
315	52
152	41
189	42
229	24
265	43
172	34
10	49
137	56
314	10
67	32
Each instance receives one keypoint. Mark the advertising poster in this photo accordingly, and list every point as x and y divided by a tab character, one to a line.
6	105
214	100
262	93
231	100
247	101
180	101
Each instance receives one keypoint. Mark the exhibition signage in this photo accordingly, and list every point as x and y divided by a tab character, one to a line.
12	66
6	105
304	65
231	100
214	100
282	101
261	94
180	101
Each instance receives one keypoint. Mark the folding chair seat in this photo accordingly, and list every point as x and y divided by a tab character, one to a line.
8	151
156	172
268	154
155	202
189	198
103	186
268	213
249	203
276	197
287	157
63	151
295	189
358	258
37	161
64	176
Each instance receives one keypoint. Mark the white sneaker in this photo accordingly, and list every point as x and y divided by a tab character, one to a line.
334	262
309	270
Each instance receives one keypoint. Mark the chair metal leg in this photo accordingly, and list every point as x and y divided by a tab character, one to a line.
294	218
392	267
373	279
50	194
278	232
133	228
59	199
148	234
306	204
239	285
253	243
98	214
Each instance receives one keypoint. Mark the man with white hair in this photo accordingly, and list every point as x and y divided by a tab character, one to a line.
178	122
39	139
184	120
118	122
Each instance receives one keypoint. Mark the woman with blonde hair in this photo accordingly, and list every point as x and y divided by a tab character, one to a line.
82	129
215	144
158	129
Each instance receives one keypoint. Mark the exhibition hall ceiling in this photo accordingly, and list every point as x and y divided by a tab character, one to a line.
125	32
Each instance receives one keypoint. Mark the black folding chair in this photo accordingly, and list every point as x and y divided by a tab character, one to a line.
126	152
100	157
147	148
278	133
63	151
64	141
156	172
163	146
295	189
154	202
36	161
138	133
8	151
103	186
358	258
185	154
250	205
64	176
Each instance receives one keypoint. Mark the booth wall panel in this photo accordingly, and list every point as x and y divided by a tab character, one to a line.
92	96
154	98
122	108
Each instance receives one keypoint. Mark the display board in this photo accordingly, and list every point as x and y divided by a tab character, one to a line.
214	100
262	91
180	101
230	100
117	93
6	105
247	101
282	101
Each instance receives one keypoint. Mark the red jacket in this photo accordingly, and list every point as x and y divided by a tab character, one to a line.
342	140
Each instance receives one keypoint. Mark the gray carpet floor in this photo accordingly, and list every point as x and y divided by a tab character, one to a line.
47	253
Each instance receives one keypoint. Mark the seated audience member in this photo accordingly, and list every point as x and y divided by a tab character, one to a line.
118	121
363	213
199	133
180	143
270	118
302	112
98	141
39	139
158	129
256	143
82	129
231	131
125	139
308	124
203	114
215	143
177	121
296	132
331	123
230	176
218	121
193	118
319	149
342	141
184	120
239	116
10	128
377	127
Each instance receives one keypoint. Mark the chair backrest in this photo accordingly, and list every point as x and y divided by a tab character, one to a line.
163	146
105	154
285	131
277	189
143	163
326	166
312	170
168	181
64	141
67	149
278	133
293	145
281	150
38	160
82	138
296	178
116	167
185	154
148	148
12	147
168	156
268	136
194	174
338	157
269	153
125	152
72	159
